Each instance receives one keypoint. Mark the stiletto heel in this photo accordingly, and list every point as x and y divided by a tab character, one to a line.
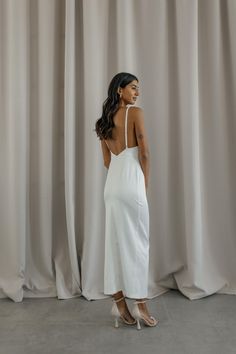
116	322
116	313
138	316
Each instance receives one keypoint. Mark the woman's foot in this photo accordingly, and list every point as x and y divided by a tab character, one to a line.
145	313
123	308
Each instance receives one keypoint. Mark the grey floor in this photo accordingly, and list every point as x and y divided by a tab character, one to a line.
80	326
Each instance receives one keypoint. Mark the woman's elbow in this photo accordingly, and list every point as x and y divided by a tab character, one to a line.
144	155
107	164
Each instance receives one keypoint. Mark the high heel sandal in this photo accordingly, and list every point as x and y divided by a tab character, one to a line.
138	316
116	313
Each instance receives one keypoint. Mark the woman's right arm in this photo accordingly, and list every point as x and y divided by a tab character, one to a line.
106	154
143	149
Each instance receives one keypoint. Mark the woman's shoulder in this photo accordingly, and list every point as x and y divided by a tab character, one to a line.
136	111
135	108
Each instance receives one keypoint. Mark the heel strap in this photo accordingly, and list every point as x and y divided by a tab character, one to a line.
140	302
121	298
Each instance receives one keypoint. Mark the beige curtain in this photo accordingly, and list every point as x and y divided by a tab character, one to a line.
57	58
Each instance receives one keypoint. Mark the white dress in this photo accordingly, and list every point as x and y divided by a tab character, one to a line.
127	225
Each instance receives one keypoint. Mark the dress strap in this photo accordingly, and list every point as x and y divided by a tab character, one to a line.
126	118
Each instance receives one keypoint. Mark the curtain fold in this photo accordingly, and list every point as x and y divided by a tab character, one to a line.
57	58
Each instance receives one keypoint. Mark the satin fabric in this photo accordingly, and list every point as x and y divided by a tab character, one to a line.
127	225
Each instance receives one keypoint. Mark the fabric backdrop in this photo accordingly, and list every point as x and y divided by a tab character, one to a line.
57	58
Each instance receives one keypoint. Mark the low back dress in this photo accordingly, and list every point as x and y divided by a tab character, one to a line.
126	260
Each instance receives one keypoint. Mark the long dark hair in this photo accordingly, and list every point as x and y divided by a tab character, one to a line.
104	124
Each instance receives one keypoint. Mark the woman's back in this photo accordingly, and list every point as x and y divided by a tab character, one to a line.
117	144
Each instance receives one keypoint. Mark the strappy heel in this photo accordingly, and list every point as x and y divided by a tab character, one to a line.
137	314
116	313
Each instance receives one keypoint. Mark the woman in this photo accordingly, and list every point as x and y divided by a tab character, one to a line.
126	155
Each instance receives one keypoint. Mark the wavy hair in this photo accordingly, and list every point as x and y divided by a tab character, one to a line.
104	125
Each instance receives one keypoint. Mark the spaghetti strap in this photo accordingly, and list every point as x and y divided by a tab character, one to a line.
126	116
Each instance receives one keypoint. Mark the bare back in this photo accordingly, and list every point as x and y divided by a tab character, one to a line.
117	144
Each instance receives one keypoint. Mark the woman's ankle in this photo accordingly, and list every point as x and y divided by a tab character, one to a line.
118	295
141	300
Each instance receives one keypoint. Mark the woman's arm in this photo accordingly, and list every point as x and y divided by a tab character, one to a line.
106	154
143	148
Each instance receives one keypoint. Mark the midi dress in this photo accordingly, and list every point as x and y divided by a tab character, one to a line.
126	262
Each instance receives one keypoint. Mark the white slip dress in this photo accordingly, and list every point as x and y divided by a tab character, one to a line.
126	260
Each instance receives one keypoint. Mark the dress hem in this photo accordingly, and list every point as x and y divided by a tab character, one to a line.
142	296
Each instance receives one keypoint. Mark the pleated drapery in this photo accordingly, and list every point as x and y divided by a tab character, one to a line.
57	58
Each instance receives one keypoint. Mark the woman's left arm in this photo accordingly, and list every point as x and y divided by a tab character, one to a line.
106	154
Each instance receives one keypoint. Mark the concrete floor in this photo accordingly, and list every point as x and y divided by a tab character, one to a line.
49	325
